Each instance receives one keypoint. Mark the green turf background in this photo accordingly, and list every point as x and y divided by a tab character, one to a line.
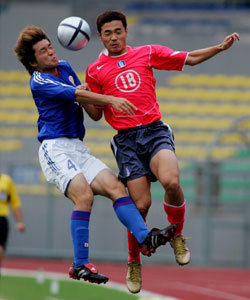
27	288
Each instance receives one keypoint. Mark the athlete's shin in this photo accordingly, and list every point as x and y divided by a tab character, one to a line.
176	215
79	226
129	215
133	248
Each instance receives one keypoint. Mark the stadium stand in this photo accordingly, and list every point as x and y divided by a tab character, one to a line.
190	104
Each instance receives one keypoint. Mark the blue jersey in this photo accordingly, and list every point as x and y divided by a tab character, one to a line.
59	113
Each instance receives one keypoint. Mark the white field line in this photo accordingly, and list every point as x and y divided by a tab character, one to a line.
143	295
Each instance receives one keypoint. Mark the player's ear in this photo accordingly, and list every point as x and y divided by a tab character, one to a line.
33	64
99	35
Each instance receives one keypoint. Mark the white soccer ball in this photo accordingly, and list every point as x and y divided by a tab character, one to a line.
73	33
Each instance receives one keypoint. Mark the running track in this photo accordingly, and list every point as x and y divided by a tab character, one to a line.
184	283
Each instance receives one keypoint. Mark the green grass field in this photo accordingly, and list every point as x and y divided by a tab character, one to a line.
29	288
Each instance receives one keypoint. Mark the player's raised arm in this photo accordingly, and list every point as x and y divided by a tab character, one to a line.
121	104
198	56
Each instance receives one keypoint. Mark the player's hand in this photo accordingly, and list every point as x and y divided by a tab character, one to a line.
229	40
20	226
84	86
123	105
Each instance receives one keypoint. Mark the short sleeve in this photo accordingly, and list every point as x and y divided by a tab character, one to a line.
48	88
164	58
14	198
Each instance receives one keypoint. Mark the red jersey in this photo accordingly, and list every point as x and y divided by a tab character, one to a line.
130	76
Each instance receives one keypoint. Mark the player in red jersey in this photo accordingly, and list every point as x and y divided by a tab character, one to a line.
144	146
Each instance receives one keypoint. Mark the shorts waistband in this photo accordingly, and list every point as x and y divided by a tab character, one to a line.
156	123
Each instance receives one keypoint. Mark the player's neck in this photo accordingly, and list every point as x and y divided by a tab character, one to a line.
115	54
54	71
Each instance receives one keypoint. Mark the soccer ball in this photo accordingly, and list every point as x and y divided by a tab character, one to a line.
73	33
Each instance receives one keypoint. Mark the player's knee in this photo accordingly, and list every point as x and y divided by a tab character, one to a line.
171	185
116	190
84	205
143	207
84	201
144	211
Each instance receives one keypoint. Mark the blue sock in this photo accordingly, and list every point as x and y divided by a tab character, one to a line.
130	216
79	226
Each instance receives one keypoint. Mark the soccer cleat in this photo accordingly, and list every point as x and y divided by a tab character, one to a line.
155	238
182	253
87	272
133	278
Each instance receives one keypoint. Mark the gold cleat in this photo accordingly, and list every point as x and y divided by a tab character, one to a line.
182	253
133	277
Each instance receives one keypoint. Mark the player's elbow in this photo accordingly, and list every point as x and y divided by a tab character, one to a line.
96	117
191	62
94	114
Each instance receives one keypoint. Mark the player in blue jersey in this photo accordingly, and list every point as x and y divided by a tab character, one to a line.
65	161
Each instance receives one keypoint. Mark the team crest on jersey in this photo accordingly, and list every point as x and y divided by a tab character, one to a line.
71	79
121	64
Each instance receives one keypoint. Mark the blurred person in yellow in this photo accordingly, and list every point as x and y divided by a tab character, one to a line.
9	200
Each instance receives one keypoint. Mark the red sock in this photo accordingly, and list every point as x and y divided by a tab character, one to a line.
176	215
133	248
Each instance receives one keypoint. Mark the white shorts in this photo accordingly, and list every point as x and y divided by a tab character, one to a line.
62	159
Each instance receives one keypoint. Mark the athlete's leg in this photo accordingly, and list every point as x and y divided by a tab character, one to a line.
164	166
124	147
139	191
107	184
68	164
81	194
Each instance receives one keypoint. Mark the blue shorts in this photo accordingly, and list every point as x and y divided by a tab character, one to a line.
133	149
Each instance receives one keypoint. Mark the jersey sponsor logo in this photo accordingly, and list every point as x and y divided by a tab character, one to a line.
121	64
128	81
99	67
